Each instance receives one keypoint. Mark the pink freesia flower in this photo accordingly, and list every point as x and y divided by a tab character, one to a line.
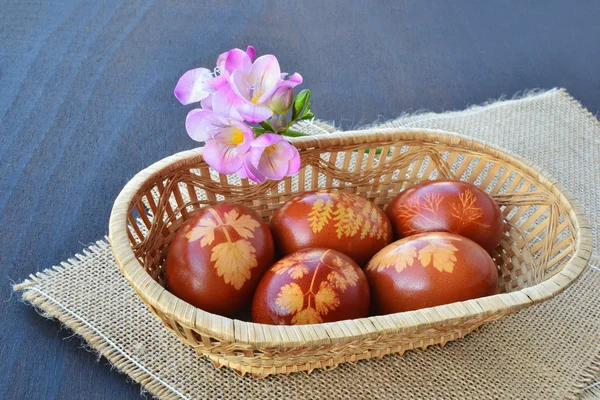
257	85
270	157
205	124
236	93
226	152
227	138
198	84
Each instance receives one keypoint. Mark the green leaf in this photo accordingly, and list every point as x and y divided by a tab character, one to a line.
258	131
300	102
308	115
377	151
293	133
306	111
267	126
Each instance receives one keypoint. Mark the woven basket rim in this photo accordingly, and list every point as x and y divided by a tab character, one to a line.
259	335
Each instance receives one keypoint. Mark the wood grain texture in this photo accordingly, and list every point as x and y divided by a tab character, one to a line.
86	101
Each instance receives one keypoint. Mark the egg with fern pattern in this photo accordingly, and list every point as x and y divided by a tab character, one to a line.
311	286
428	270
218	256
447	206
331	219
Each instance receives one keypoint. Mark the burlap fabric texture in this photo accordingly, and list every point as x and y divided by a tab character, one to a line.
549	351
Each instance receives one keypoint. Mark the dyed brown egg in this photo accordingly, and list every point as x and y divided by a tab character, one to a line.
447	206
332	220
218	256
311	286
428	270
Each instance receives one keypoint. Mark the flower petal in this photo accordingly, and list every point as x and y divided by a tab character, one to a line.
251	52
203	125
241	173
294	164
237	59
264	75
271	166
266	96
250	170
254	113
225	102
284	150
239	84
191	87
226	152
267	140
221	61
206	104
292	81
216	83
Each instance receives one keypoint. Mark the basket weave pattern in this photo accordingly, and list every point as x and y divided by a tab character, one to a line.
545	248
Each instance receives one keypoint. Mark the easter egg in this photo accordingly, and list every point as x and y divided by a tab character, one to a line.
447	206
311	286
217	257
428	270
332	220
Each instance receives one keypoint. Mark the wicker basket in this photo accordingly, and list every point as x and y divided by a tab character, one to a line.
546	247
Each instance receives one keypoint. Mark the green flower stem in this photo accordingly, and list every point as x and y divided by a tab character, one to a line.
293	133
267	126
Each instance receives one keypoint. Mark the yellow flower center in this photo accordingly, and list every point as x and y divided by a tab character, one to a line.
269	149
237	137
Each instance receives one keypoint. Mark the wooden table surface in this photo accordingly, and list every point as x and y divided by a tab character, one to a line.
86	102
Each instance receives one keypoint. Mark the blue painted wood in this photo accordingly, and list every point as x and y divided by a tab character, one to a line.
86	101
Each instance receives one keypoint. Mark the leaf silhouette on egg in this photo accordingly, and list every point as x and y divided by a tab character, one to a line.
351	215
400	257
343	276
244	225
466	211
205	230
294	265
307	316
320	214
326	299
233	261
420	213
290	298
310	305
440	254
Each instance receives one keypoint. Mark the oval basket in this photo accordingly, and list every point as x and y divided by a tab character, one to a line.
545	248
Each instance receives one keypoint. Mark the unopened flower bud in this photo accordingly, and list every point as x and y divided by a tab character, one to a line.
279	122
282	100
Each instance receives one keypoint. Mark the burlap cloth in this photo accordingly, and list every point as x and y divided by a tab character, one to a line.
549	351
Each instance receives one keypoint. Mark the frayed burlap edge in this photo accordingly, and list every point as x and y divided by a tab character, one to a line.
102	345
410	119
587	386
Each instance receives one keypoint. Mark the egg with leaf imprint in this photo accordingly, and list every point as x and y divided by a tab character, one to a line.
311	286
217	257
447	206
334	220
427	270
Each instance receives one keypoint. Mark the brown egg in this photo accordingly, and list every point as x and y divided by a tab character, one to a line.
447	206
428	270
332	220
218	256
311	286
